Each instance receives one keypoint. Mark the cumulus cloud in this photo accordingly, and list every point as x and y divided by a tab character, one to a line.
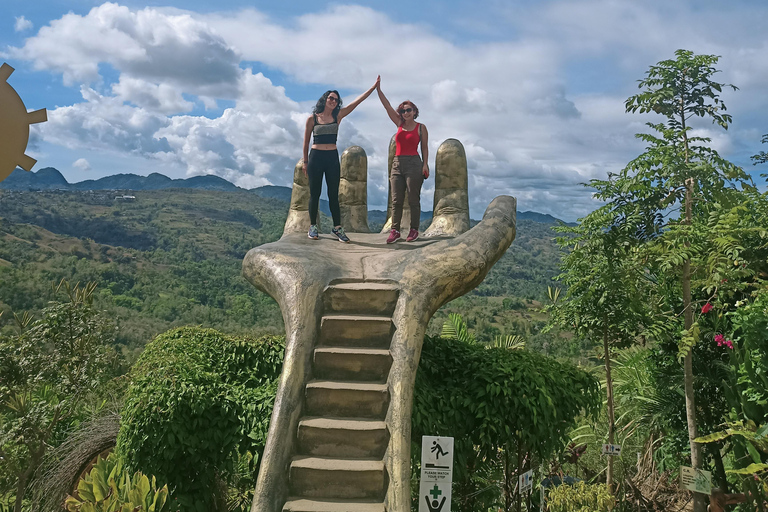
22	24
145	44
539	108
82	164
161	98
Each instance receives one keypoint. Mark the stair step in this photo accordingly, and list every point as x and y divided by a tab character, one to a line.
345	363
361	298
302	505
356	330
343	438
321	477
347	399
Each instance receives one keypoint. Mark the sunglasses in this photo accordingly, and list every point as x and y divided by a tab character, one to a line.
406	110
334	98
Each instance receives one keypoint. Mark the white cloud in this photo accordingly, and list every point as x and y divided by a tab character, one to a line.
150	45
82	164
538	107
22	24
161	98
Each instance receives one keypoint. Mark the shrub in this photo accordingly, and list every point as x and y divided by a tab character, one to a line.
197	399
495	401
580	497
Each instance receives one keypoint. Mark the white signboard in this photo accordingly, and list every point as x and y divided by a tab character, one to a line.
434	496
437	458
611	449
696	480
525	482
436	474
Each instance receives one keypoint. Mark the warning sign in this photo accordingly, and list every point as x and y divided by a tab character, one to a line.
436	474
437	459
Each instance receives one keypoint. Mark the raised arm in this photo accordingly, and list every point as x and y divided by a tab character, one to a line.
307	134
354	103
393	115
425	151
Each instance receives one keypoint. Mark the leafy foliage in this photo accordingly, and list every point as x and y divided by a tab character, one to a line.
580	497
198	398
761	157
108	487
493	400
51	368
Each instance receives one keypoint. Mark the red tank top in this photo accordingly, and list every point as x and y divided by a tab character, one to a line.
407	142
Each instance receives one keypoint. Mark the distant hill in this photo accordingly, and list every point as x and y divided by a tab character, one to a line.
50	178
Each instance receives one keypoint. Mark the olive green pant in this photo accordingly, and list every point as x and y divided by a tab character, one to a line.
406	176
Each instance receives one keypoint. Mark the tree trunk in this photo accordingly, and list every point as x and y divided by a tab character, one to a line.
21	485
699	501
519	470
720	477
507	481
611	413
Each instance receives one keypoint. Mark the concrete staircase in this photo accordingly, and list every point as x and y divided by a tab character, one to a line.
342	439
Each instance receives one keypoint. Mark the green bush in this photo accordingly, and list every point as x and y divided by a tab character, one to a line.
197	399
580	497
494	402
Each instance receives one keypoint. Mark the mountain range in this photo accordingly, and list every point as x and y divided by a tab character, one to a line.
49	178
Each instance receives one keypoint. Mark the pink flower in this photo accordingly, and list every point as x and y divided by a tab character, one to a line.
720	339
729	344
706	308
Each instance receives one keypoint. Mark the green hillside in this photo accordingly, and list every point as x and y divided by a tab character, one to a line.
173	257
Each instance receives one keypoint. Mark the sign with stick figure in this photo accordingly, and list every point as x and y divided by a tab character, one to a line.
436	474
435	497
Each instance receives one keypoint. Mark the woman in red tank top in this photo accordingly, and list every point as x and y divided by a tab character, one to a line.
408	169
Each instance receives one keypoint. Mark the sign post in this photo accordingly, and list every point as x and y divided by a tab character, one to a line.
696	480
436	474
525	482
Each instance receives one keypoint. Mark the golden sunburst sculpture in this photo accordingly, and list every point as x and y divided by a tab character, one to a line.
14	127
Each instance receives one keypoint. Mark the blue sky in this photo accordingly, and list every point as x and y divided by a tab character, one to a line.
534	90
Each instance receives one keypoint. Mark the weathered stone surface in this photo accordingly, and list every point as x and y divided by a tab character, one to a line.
319	477
450	213
302	505
347	399
343	438
353	190
361	298
355	330
298	214
297	272
352	363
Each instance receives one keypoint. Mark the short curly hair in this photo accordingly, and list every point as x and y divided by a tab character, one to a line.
401	106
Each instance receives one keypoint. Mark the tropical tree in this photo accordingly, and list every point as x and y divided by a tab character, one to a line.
609	296
48	369
671	189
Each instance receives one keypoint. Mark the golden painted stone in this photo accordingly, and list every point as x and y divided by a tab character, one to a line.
14	127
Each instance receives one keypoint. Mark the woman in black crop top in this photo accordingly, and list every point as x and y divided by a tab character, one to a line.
323	159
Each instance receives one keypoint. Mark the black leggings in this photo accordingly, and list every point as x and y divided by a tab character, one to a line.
324	162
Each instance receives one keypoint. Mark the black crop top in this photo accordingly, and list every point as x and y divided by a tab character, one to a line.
325	133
